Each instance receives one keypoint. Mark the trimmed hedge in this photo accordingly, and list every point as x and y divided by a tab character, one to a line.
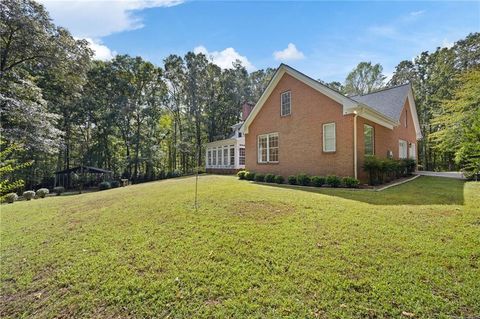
28	195
334	181
42	192
384	170
114	184
259	177
351	182
241	174
318	181
269	178
303	179
250	176
292	180
279	179
11	197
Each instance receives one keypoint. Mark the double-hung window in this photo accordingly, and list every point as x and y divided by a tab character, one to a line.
241	156
232	155
209	157
219	155
369	137
286	103
329	137
402	149
225	156
268	148
214	153
412	152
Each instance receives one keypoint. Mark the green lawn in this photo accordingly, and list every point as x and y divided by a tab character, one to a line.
251	250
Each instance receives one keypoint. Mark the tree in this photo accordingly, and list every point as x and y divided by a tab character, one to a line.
459	123
365	78
9	166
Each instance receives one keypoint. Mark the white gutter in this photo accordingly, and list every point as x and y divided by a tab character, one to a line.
355	143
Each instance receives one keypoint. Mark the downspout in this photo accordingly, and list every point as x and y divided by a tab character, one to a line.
355	143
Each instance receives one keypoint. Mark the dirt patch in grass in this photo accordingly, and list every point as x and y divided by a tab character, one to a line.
260	210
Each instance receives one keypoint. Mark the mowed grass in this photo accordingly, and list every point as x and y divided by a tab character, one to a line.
251	250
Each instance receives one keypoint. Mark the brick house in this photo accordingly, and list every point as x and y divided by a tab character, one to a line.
301	126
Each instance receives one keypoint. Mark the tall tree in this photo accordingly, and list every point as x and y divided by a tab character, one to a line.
364	79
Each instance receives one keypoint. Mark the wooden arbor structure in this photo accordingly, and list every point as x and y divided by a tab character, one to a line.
92	175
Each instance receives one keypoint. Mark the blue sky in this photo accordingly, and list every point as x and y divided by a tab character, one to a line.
323	39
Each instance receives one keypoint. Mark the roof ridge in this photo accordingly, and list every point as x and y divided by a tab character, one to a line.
381	90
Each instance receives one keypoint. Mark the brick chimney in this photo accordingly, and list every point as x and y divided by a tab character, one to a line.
246	109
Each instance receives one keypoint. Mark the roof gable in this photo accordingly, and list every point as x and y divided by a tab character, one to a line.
345	101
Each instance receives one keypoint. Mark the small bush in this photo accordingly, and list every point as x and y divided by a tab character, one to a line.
269	178
279	179
11	197
351	182
104	185
28	195
42	192
259	177
292	180
318	181
241	174
114	184
334	181
59	190
250	176
410	165
303	179
177	173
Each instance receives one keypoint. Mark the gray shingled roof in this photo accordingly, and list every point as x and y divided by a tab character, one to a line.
389	102
234	128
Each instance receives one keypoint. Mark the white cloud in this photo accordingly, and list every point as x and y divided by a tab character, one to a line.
95	19
225	58
101	51
417	13
289	53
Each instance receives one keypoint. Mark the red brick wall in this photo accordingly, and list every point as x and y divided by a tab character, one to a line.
301	134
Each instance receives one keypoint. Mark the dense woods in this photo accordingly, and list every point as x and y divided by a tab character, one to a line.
60	108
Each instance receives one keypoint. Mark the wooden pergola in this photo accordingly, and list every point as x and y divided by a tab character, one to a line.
63	178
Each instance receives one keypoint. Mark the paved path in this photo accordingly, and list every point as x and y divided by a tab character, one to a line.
457	175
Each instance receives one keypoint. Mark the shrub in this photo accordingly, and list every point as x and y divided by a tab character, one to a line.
303	179
177	173
241	174
292	180
114	184
42	192
259	177
11	197
250	176
59	190
279	179
410	165
318	181
269	178
28	195
104	185
351	182
334	181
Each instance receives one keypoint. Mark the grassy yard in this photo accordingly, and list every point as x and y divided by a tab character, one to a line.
251	250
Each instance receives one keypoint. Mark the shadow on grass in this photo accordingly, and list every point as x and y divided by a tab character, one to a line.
421	191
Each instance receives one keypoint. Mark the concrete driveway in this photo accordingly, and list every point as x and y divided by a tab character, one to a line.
457	175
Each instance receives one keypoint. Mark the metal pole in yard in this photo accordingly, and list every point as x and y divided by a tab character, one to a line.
196	184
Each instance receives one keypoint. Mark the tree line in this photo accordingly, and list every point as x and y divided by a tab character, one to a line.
60	108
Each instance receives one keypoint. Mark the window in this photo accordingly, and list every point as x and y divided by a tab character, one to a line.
209	157
268	148
329	138
241	157
239	134
219	154
412	151
232	155
286	105
402	149
214	153
369	137
225	155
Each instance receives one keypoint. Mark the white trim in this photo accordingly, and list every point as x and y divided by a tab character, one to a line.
259	153
414	114
334	137
364	140
346	102
400	141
